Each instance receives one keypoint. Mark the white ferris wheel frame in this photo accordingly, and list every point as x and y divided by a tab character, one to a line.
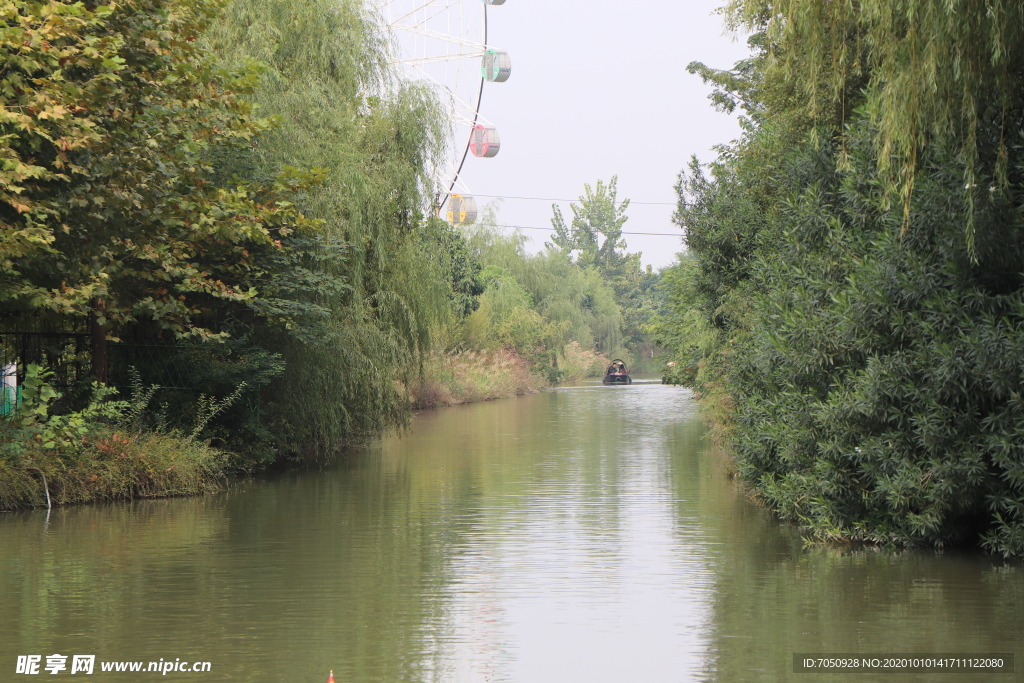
461	52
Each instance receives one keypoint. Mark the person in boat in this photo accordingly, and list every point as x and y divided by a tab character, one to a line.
616	369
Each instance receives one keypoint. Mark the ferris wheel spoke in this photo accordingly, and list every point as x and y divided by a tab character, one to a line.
439	58
439	6
468	122
460	104
441	37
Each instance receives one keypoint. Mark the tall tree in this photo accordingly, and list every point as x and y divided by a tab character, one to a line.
594	240
868	354
376	277
106	206
930	69
595	236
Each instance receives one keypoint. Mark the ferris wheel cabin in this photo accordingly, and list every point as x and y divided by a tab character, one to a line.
484	141
462	209
496	66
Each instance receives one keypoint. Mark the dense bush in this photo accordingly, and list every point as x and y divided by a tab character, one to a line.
879	389
852	302
142	198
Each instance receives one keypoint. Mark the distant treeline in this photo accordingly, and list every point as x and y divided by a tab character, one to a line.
555	316
583	287
851	303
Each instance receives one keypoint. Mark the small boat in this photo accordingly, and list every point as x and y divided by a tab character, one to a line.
616	373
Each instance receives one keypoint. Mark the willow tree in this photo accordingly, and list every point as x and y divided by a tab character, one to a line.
935	70
576	304
594	240
373	285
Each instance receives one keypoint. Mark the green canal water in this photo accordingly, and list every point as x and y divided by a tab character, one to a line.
589	534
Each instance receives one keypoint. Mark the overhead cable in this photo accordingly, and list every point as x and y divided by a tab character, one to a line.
549	199
653	234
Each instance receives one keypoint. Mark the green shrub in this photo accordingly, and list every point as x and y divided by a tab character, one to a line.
99	452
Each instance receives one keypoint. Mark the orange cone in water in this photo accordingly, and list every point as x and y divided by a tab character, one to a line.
330	678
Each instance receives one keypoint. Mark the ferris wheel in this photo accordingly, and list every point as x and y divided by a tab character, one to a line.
443	43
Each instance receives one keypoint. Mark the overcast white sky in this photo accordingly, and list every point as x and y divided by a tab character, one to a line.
600	88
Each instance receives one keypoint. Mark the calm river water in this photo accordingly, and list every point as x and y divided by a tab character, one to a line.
588	534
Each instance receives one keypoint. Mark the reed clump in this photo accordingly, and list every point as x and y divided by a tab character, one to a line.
450	379
576	363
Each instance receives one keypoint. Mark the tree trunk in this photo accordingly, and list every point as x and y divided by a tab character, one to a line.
99	340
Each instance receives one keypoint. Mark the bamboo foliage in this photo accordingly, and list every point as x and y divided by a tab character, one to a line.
859	355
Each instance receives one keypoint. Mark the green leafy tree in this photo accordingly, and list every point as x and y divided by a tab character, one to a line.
594	238
682	327
929	70
107	207
506	317
463	270
577	304
863	354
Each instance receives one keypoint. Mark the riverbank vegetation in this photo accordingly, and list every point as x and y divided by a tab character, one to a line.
557	316
459	377
107	450
851	304
201	193
231	199
584	288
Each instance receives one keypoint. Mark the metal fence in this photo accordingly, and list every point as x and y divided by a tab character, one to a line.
162	364
66	354
175	368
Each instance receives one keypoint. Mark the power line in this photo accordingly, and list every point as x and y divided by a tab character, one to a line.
549	199
655	234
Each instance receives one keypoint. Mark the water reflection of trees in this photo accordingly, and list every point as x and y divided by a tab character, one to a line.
773	597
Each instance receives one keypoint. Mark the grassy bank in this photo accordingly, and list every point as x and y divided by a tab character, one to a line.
102	452
108	465
575	363
53	454
469	376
